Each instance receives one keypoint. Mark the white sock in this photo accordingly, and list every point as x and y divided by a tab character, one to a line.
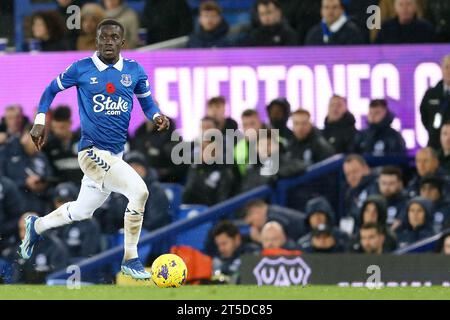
132	225
56	218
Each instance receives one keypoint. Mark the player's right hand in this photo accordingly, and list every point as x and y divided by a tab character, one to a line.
37	134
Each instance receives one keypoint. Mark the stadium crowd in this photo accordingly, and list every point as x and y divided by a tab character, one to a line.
383	208
252	23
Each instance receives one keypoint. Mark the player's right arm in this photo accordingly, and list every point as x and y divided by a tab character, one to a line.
64	81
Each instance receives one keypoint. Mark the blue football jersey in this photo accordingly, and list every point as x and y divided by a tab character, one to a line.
105	99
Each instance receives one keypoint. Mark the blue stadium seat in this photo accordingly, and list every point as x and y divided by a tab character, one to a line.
174	192
194	237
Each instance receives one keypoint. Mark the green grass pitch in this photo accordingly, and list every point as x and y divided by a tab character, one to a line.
225	292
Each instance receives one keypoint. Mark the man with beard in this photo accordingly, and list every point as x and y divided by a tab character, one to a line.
339	127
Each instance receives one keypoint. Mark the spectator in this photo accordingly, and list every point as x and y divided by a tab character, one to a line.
372	239
374	210
301	15
13	123
212	30
61	147
11	208
443	245
274	237
30	170
417	224
319	211
258	213
251	123
431	188
91	15
82	238
308	143
339	127
360	184
157	147
272	164
357	11
48	27
209	182
118	10
323	241
48	256
390	186
434	108
379	139
427	162
438	13
271	29
230	247
335	28
157	15
279	111
405	27
216	109
444	150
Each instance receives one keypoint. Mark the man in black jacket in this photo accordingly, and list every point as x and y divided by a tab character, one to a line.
380	139
308	143
339	127
335	28
435	106
405	27
279	111
438	13
213	29
62	147
272	29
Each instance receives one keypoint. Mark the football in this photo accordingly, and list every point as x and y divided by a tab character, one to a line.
169	271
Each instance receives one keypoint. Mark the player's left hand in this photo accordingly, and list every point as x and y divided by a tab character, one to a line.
162	122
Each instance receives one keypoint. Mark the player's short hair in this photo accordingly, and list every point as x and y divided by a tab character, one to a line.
110	22
373	225
302	112
249	113
62	113
446	123
210	5
392	171
227	227
216	100
276	3
378	103
355	157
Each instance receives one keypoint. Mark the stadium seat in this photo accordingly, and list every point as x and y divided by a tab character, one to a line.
194	237
174	193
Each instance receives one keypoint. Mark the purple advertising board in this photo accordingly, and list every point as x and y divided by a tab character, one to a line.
182	80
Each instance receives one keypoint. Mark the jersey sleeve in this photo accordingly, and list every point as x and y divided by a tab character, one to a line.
62	82
144	95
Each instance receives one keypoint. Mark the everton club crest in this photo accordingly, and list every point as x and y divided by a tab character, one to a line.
126	80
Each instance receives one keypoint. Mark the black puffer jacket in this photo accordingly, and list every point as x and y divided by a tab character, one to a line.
406	234
340	133
210	39
380	139
312	149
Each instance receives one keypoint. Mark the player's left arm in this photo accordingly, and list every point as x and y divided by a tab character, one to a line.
148	105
